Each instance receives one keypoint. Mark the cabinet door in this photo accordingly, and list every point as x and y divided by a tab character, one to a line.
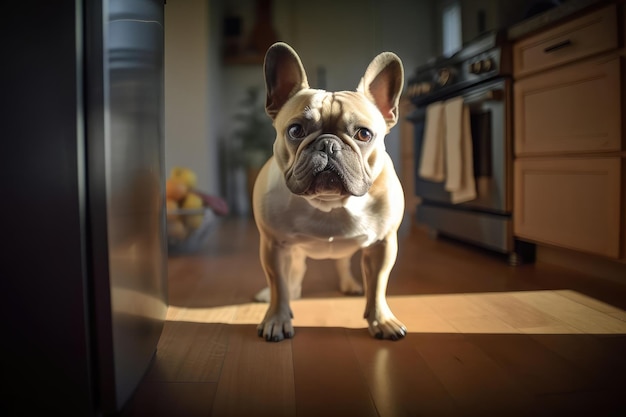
569	202
575	109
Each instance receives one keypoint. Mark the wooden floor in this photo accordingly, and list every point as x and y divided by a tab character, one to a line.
485	339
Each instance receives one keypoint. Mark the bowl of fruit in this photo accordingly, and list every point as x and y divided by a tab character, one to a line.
191	213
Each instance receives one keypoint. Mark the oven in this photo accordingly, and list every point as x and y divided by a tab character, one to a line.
480	74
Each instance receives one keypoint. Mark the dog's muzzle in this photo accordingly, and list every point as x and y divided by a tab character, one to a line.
328	166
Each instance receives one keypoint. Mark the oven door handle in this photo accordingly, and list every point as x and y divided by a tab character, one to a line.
419	114
491	95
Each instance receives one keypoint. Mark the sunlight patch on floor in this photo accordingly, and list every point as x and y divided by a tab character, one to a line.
530	312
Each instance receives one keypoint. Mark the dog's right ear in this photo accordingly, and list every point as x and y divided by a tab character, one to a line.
284	76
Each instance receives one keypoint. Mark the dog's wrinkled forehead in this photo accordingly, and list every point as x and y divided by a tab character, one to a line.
332	111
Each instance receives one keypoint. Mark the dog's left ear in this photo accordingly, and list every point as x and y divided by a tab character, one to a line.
382	84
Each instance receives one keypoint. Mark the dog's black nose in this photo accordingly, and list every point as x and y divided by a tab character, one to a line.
328	145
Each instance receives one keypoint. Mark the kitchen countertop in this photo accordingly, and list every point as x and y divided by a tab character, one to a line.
543	20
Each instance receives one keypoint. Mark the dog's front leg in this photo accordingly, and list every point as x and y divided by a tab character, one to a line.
275	259
377	261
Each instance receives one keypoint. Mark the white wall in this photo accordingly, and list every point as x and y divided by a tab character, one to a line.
190	134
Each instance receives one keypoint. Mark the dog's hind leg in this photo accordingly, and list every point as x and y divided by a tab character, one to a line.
347	283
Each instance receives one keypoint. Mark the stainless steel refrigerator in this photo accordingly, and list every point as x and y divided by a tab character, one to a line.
83	269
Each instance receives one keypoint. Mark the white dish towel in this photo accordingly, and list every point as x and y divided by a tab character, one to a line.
447	149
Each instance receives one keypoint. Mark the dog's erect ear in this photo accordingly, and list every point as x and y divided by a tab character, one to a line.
284	76
382	84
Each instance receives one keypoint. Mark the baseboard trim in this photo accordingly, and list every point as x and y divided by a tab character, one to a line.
594	266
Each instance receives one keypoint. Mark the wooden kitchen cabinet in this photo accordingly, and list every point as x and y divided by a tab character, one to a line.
570	147
570	110
569	202
585	36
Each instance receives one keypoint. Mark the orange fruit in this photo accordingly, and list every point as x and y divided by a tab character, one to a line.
175	189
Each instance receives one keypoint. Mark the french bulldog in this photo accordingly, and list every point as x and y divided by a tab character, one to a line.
330	188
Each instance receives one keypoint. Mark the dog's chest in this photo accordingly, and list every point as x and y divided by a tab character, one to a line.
330	248
319	245
329	235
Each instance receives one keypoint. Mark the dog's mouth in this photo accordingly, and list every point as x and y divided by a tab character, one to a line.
320	172
327	181
317	174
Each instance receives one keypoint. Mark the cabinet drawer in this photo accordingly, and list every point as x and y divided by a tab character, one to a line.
573	109
590	34
569	202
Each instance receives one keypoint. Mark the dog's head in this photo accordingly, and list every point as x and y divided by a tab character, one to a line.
329	144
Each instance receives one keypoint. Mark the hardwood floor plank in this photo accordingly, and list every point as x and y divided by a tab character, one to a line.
223	282
557	328
478	385
467	314
327	376
249	313
182	270
589	301
417	314
257	378
167	399
620	315
189	352
572	313
217	314
609	403
538	369
600	361
329	312
400	381
455	306
514	312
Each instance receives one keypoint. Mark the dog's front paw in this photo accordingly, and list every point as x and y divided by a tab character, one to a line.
276	327
385	326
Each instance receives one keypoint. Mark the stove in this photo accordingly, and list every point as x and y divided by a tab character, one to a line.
479	73
484	58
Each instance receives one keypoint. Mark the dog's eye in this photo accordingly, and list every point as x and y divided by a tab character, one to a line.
363	134
296	131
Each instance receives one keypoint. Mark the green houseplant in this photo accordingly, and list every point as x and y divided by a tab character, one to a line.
254	132
253	136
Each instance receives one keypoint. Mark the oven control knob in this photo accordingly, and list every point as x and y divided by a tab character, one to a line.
487	65
475	67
